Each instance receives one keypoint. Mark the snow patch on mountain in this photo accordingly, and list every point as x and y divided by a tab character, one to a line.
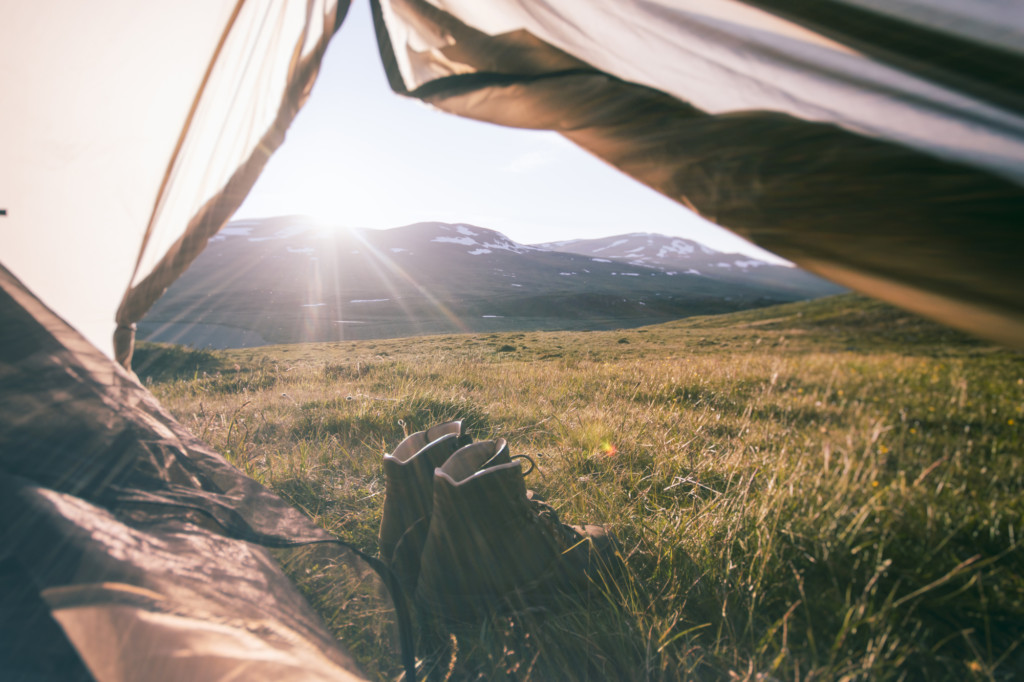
485	241
617	242
464	230
555	246
678	246
465	241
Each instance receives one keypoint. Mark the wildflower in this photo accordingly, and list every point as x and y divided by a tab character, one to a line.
874	484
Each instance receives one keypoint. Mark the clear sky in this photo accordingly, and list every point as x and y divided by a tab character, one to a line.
358	155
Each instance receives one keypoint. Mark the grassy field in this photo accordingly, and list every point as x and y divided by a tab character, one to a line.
828	490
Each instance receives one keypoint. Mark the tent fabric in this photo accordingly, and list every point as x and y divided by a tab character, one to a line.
131	133
147	547
725	56
837	153
164	262
972	47
164	602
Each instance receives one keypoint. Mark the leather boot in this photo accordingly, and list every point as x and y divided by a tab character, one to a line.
491	548
408	495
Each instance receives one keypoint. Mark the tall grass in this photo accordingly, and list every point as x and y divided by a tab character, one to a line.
794	500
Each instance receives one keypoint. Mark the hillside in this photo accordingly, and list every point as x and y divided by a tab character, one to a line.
290	281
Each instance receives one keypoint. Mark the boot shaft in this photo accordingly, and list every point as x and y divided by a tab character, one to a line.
408	480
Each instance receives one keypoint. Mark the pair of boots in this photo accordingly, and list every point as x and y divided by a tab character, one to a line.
463	534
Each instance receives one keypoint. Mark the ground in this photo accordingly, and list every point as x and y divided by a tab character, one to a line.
824	490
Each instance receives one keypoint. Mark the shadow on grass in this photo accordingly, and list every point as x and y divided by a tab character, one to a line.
165	362
360	419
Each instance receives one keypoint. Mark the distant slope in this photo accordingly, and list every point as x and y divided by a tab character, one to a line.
675	254
845	321
285	280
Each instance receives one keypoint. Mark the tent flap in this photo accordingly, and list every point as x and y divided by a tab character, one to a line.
148	548
132	133
172	212
929	223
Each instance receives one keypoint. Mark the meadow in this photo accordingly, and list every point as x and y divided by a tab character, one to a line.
830	490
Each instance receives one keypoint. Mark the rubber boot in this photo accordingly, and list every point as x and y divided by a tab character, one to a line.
490	548
408	496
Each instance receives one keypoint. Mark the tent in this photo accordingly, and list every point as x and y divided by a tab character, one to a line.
878	143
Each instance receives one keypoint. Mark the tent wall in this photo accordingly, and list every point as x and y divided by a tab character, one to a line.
861	161
131	133
146	547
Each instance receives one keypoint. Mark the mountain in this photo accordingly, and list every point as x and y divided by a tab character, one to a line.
678	255
284	280
653	250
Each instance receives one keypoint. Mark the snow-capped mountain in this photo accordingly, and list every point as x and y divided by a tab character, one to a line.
285	279
656	251
678	255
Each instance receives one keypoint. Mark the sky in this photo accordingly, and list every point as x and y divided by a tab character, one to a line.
358	155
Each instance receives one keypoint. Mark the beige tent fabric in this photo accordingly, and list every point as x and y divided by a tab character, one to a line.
912	227
149	549
227	145
134	129
123	638
726	56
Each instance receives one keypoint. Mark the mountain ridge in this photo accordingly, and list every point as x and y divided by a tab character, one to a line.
284	279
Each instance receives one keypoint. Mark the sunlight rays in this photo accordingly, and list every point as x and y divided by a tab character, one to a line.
390	274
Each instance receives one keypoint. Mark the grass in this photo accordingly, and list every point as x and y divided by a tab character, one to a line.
829	490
